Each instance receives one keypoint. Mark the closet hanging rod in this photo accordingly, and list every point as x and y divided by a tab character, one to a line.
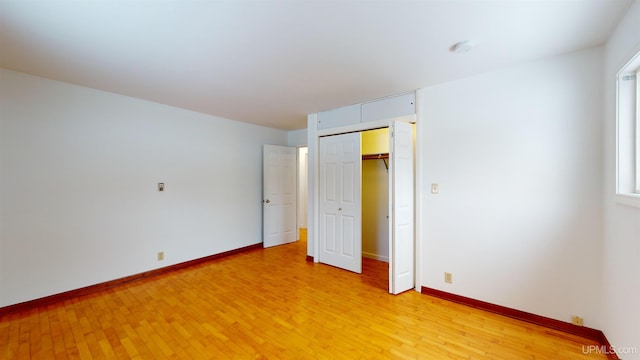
383	157
375	156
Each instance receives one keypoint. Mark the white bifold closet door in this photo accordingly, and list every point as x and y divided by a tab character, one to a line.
401	212
340	206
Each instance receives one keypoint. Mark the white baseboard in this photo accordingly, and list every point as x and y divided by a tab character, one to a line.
375	256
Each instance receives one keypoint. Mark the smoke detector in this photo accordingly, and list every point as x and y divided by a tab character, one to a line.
462	47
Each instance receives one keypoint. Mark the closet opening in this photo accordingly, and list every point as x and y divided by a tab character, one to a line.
375	207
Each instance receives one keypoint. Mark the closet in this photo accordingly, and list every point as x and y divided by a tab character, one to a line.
375	194
336	154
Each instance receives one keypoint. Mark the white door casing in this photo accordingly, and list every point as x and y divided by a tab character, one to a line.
340	207
279	195
401	208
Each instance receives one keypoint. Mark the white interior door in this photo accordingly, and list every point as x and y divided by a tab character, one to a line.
401	208
340	220
279	195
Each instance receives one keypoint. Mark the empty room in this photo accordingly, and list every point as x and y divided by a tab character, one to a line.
193	179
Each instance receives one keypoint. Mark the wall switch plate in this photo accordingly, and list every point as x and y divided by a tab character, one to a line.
448	278
435	188
160	255
160	186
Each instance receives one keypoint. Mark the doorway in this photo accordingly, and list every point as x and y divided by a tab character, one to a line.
303	192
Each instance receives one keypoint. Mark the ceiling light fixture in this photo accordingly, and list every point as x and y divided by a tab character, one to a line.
462	47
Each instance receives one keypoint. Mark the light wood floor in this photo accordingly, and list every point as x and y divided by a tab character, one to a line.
272	304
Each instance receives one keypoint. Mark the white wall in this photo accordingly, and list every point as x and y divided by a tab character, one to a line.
621	246
312	186
78	175
517	155
297	138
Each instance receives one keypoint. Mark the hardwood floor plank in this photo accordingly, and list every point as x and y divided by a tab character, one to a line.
273	304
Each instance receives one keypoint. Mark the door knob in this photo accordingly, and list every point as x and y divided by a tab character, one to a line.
339	209
267	201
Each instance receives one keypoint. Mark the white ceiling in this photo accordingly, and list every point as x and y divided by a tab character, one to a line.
272	62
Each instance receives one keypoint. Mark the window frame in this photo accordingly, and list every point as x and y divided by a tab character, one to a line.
637	130
628	133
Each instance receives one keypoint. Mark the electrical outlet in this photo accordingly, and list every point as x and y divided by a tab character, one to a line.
160	186
448	278
577	320
160	255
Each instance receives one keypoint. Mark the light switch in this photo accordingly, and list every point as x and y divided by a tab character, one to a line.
160	186
435	189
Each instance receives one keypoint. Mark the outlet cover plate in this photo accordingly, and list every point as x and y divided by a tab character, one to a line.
448	278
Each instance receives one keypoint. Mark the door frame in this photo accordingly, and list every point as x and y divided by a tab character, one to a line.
313	144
